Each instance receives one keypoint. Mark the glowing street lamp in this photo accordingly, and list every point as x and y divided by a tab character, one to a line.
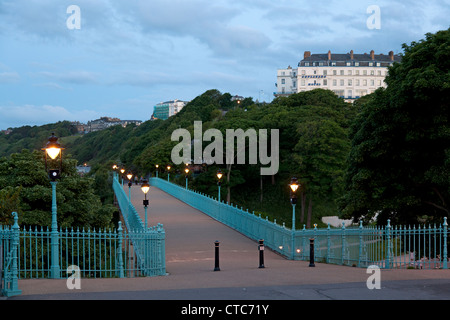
168	172
145	187
157	166
129	176
294	185
122	171
186	171
53	150
219	183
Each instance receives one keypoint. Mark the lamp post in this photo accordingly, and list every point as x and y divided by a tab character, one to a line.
145	187
114	167
129	176
122	171
294	187
157	166
186	171
219	183
168	173
53	150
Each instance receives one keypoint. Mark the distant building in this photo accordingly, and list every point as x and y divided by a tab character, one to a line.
348	75
84	169
164	110
6	132
103	123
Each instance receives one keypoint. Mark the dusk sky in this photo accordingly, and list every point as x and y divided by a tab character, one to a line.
129	55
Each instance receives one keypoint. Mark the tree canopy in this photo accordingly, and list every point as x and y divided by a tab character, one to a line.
399	164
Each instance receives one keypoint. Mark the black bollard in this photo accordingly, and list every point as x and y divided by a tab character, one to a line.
261	254
311	252
216	267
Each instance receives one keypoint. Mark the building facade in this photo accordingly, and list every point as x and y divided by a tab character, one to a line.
164	110
349	75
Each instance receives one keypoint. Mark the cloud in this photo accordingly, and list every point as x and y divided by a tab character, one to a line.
15	116
9	77
74	77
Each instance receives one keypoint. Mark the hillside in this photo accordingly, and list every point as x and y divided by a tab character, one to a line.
313	146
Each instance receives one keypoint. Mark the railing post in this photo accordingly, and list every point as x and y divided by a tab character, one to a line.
445	244
13	288
388	246
328	244
119	251
343	243
360	243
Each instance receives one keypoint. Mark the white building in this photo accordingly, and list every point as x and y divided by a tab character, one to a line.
164	110
348	75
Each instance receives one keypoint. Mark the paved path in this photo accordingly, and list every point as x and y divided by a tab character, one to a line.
190	237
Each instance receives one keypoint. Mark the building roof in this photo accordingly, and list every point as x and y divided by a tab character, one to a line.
343	58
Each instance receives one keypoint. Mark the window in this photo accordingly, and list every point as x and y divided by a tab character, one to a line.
350	93
334	82
324	72
303	72
342	72
325	83
283	81
348	64
303	82
379	72
357	72
334	72
372	73
356	64
364	82
349	82
372	82
370	64
365	72
379	82
306	64
283	73
357	82
349	72
342	82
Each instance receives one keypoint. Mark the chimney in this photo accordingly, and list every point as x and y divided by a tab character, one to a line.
351	54
307	54
329	54
391	55
372	55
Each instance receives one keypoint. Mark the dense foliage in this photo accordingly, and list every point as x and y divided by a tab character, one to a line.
399	165
25	188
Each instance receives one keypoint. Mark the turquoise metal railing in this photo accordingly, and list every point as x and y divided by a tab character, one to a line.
148	243
9	241
385	246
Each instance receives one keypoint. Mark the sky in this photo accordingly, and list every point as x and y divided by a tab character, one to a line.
128	55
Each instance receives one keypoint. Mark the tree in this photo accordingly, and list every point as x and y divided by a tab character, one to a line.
25	188
399	165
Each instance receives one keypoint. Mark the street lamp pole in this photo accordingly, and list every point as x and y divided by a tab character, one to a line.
145	189
53	150
129	176
186	170
219	183
157	166
168	173
294	187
